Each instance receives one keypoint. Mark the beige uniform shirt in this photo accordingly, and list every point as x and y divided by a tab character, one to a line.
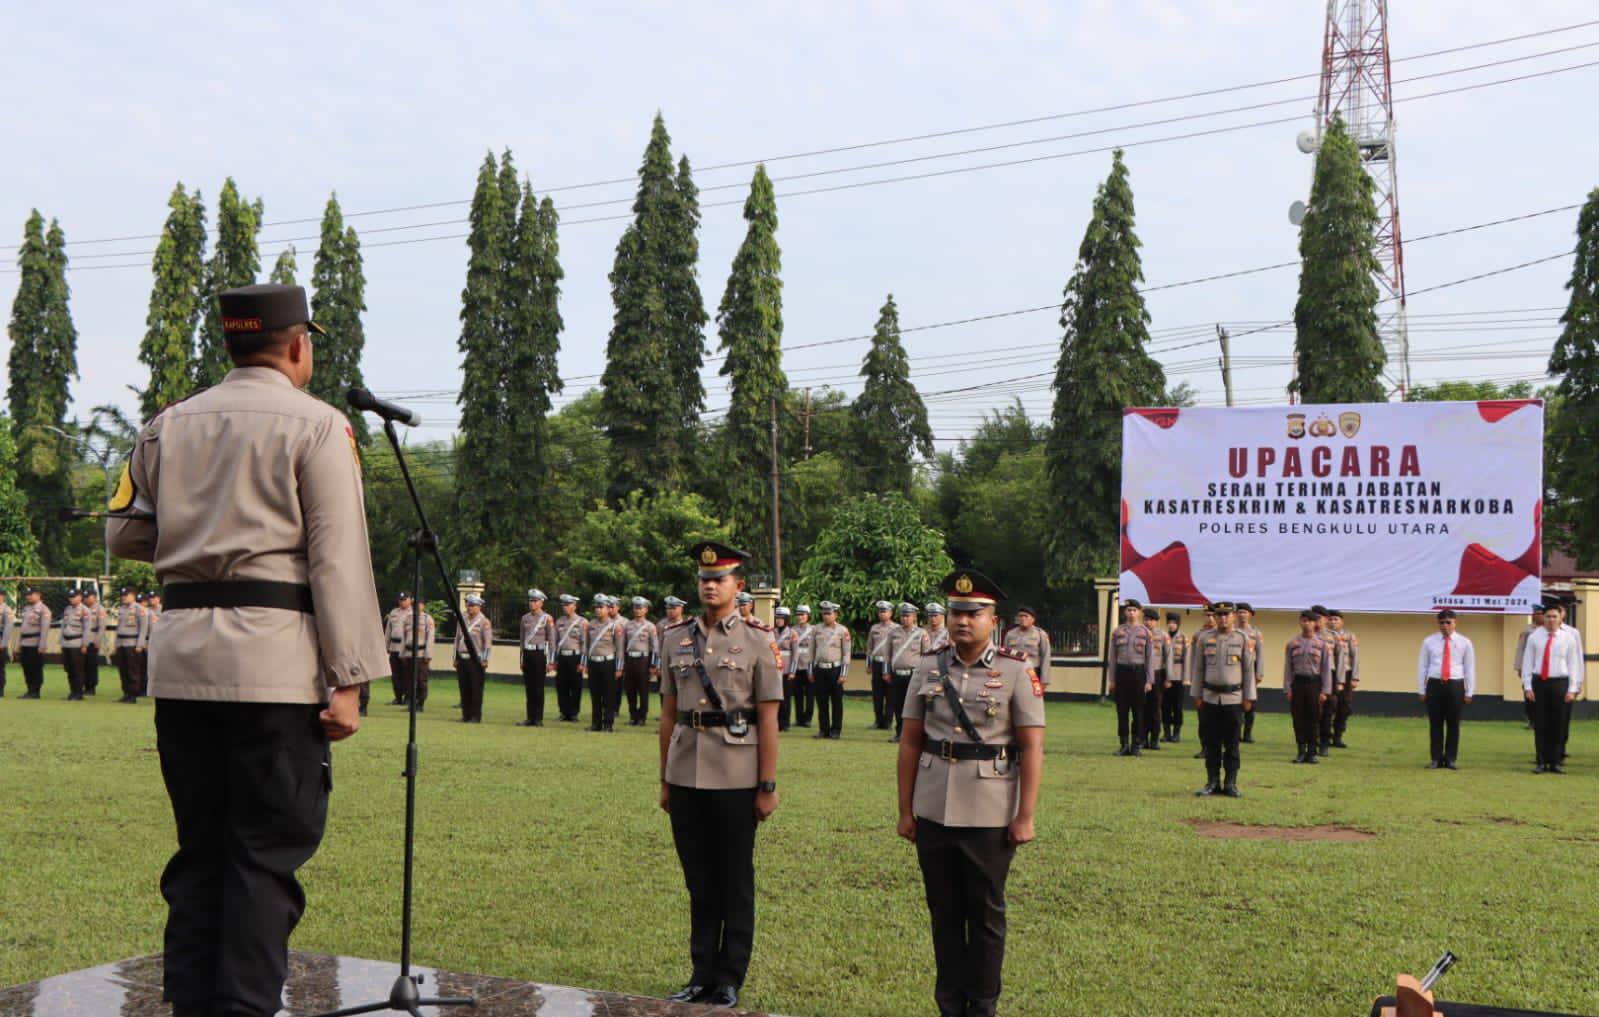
1133	646
1224	661
254	479
1307	655
829	644
479	635
74	622
641	639
1257	647
934	640
424	645
604	640
1177	660
33	625
904	649
1191	666
147	622
786	640
1033	644
802	647
1521	647
127	626
571	635
94	632
538	633
877	641
8	625
741	659
394	628
1000	693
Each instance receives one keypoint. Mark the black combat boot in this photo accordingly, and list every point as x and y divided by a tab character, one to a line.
1324	748
1124	750
1212	786
1231	787
1301	757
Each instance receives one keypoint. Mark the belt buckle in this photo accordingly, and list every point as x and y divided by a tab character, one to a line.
694	721
946	751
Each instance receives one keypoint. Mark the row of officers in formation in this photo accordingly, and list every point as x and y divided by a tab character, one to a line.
86	639
622	656
1151	670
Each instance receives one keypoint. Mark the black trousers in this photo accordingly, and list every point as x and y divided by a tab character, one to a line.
1443	717
5	662
1305	708
1327	719
1154	707
400	675
1344	709
804	698
829	697
899	686
714	832
636	681
141	669
1129	702
602	694
1171	709
1550	718
32	668
881	684
127	671
410	684
533	669
72	661
91	670
249	786
568	686
470	674
964	871
786	710
1219	728
1249	721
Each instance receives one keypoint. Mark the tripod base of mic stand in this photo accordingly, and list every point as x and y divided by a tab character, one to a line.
406	997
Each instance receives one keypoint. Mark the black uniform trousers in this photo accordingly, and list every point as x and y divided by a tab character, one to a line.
1219	728
964	871
898	689
1306	708
91	670
636	681
881	684
470	674
1550	718
602	694
1344	708
787	709
533	668
32	669
401	676
1328	715
1171	710
568	685
72	662
1249	718
804	697
829	697
1154	708
1129	702
415	684
5	662
715	836
127	671
141	669
1444	699
249	787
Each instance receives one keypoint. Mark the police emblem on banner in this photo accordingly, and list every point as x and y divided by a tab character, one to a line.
1296	425
1349	423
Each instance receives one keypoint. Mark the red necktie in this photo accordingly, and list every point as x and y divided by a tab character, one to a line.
1549	644
1446	659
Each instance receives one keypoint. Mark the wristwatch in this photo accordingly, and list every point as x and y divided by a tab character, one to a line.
766	785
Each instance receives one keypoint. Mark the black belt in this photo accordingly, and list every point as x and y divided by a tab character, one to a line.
238	593
714	718
1307	678
1223	690
967	750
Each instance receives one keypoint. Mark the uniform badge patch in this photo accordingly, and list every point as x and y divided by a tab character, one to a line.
355	452
123	498
777	655
1038	684
993	683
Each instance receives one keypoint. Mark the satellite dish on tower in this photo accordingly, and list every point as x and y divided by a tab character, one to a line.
1307	142
1296	212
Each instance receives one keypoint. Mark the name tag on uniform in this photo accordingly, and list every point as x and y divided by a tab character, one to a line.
994	683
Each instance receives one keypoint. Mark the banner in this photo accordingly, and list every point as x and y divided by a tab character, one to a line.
1369	507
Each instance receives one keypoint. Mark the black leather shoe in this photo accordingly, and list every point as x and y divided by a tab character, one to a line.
75	697
1557	768
1338	743
1122	751
1209	789
1435	765
1301	757
1310	757
690	994
722	996
1152	745
821	734
1248	739
1449	764
528	723
1200	754
1540	768
396	702
1136	751
1231	790
29	695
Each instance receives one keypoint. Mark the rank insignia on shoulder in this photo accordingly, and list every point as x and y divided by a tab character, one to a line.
777	655
1005	651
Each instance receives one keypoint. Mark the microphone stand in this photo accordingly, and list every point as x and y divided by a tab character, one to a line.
405	996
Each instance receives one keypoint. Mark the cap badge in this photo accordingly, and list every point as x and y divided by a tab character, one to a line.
963	585
707	557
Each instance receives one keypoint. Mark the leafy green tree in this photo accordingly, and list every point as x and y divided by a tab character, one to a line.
1468	391
337	302
889	419
579	471
1338	355
876	547
812	491
284	269
640	547
1104	367
19	551
1573	440
175	303
391	520
235	262
483	478
751	324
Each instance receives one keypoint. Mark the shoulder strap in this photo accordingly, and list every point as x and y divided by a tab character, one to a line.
953	697
699	666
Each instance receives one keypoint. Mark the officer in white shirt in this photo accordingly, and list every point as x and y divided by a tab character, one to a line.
1446	677
1551	677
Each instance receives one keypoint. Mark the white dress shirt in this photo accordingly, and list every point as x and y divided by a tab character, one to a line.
1565	658
1462	662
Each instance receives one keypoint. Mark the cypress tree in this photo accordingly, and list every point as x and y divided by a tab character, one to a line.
235	262
750	320
337	303
685	309
285	267
1338	355
480	474
1103	369
179	268
888	420
1573	453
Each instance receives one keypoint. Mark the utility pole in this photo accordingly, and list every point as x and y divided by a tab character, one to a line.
1226	362
777	526
806	419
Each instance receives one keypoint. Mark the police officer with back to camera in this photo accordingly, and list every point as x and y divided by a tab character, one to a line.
720	690
258	664
538	636
394	641
970	763
1224	680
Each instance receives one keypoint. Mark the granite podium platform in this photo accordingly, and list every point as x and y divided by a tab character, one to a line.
319	983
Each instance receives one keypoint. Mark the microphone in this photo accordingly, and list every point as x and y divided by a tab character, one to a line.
361	399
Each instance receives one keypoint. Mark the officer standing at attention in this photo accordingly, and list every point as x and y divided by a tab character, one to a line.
604	646
829	657
1031	641
719	769
1154	700
127	640
74	619
936	637
8	624
643	642
472	646
1191	672
904	649
141	645
804	691
424	651
1224	681
1171	717
1515	661
270	639
1324	719
674	614
1307	682
1552	670
394	640
93	640
33	628
538	636
571	640
1446	677
783	636
746	605
1344	681
1133	658
877	660
969	769
1245	617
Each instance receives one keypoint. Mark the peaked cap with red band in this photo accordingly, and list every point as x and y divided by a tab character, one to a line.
970	590
717	560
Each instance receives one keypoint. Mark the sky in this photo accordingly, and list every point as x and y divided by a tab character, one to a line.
395	104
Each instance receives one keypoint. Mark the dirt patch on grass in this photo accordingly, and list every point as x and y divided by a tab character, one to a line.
1292	834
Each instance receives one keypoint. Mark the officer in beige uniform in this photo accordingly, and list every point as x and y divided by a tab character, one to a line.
969	769
413	676
720	690
266	568
394	640
74	619
783	635
599	657
1307	682
877	662
538	636
571	638
1176	678
804	689
1224	680
8	625
141	645
1345	680
904	650
126	654
828	653
1155	699
33	630
1031	641
93	641
472	647
642	641
1131	676
936	636
1244	616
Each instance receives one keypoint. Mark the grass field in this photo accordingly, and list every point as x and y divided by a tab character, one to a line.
542	856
